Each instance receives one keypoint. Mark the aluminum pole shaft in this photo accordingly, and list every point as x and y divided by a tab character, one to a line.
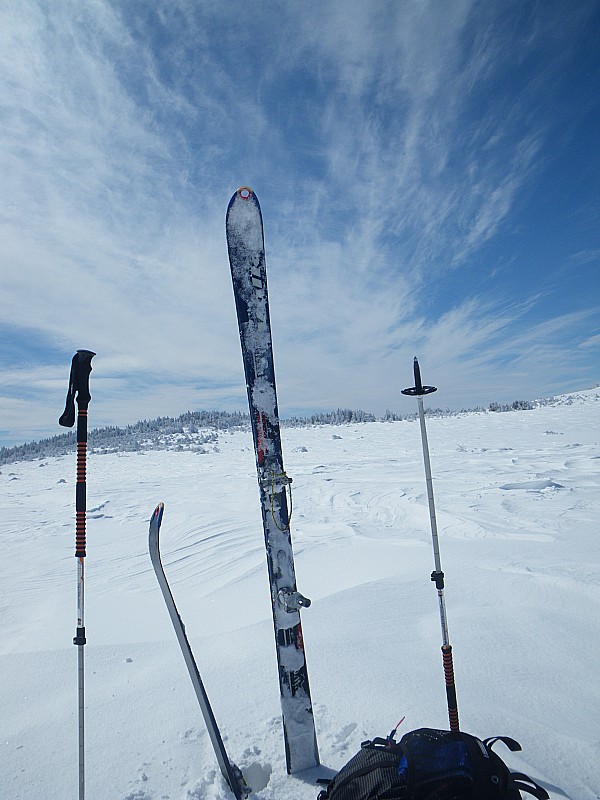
418	391
433	520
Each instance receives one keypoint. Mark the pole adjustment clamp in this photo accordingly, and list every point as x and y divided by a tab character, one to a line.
437	576
80	637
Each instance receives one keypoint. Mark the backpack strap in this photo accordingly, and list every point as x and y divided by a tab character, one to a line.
378	741
490	773
512	744
531	786
522	782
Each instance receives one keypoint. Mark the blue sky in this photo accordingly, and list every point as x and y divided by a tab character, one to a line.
428	174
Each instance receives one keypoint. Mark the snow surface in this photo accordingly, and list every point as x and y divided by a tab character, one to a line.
518	502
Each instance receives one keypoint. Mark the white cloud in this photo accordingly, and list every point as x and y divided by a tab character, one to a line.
384	141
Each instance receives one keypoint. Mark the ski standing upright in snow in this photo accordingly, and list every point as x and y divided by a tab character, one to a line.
230	771
245	244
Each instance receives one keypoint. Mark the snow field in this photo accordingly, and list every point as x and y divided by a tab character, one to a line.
517	496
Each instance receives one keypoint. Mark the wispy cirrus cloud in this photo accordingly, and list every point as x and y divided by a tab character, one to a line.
390	145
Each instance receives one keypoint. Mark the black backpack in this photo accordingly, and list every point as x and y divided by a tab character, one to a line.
430	764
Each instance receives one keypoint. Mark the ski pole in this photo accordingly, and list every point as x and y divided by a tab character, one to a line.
437	576
79	384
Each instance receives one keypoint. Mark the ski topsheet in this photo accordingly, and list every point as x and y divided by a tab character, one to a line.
231	773
245	244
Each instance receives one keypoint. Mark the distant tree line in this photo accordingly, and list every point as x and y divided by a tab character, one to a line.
517	405
342	416
190	431
198	431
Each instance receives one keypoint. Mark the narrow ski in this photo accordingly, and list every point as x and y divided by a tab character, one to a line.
231	773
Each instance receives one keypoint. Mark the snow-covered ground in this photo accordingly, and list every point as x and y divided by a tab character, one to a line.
518	501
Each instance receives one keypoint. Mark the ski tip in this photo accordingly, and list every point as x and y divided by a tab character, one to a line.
244	195
158	514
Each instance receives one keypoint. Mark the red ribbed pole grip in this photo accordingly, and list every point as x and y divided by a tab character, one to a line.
450	687
80	487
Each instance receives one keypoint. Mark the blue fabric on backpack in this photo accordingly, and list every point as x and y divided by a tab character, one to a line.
437	759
